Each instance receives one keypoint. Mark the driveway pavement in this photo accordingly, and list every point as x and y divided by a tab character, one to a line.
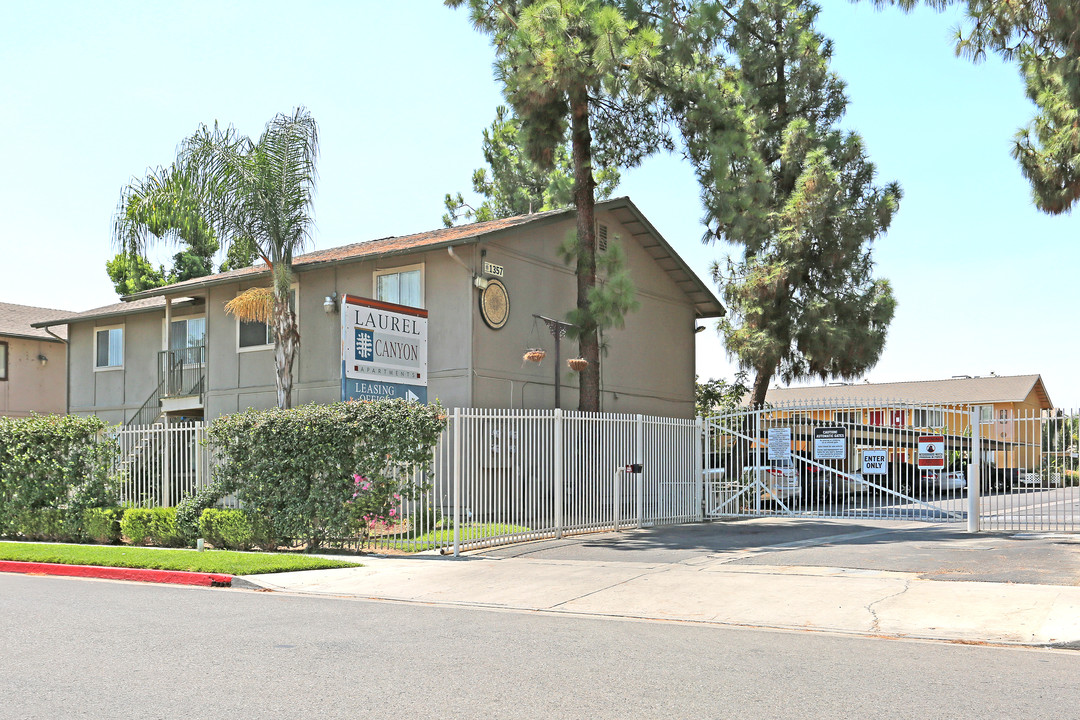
882	579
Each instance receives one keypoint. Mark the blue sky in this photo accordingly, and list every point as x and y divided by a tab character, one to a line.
96	94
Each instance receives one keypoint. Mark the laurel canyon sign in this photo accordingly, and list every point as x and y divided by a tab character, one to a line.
383	350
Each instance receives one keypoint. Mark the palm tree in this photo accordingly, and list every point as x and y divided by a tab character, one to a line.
258	193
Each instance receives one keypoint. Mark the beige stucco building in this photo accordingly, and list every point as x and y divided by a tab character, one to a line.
31	362
129	363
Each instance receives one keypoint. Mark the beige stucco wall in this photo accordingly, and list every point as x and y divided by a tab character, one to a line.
238	380
31	387
116	394
649	366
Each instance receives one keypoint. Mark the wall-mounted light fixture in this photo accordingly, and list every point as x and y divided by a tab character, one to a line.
42	359
330	305
698	329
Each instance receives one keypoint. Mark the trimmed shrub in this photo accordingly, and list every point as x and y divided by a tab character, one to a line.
191	508
103	524
54	461
49	524
230	529
154	525
294	469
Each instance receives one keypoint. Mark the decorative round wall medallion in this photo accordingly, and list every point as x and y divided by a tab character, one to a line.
495	304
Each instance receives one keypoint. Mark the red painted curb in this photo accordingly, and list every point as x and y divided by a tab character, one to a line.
175	577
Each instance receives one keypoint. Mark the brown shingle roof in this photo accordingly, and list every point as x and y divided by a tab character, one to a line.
17	321
370	248
1007	388
705	302
119	309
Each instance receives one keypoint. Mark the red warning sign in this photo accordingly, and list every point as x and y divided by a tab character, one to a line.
932	451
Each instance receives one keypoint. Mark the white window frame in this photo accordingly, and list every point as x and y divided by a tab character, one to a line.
123	352
932	414
178	318
395	271
295	287
841	417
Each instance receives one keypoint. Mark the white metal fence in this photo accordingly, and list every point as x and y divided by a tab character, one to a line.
1029	471
500	476
503	476
159	464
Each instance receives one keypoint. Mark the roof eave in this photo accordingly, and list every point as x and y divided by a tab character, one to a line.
718	309
23	336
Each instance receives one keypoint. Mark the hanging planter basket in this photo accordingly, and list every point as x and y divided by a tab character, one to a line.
534	355
577	364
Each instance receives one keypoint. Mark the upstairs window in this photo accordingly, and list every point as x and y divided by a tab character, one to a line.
929	418
401	286
257	335
3	360
109	348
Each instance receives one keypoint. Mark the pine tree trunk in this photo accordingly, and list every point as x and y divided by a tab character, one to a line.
286	340
761	386
584	200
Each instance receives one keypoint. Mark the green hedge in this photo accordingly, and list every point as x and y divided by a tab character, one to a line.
103	524
154	525
58	462
229	529
321	472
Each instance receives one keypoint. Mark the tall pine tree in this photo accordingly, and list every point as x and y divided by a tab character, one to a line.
572	67
512	184
802	299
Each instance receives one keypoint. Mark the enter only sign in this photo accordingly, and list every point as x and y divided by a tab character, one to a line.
875	462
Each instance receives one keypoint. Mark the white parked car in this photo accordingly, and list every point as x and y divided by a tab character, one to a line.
1040	479
951	480
781	480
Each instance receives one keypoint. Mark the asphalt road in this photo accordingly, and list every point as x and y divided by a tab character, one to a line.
934	551
91	649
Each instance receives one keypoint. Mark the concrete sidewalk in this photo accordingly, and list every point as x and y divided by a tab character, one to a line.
754	585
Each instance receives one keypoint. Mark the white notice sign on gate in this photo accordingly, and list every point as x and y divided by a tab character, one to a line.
830	443
780	444
875	462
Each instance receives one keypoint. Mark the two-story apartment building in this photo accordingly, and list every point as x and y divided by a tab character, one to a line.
31	362
174	350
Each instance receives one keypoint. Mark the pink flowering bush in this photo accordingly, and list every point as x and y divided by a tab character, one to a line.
324	473
375	503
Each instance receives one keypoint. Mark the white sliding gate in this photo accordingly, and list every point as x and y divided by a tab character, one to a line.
808	460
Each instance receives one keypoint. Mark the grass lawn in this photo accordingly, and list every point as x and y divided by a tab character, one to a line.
214	561
445	536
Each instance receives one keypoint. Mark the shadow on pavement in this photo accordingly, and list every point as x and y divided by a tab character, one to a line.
935	551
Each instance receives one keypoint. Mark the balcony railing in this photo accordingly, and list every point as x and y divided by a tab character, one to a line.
181	372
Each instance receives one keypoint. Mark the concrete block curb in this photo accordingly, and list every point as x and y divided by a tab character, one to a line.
174	577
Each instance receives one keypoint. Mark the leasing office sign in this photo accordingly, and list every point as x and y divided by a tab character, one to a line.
383	350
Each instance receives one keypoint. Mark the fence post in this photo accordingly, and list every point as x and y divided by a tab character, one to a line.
640	460
974	483
200	477
698	471
557	461
618	497
456	424
166	467
757	461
